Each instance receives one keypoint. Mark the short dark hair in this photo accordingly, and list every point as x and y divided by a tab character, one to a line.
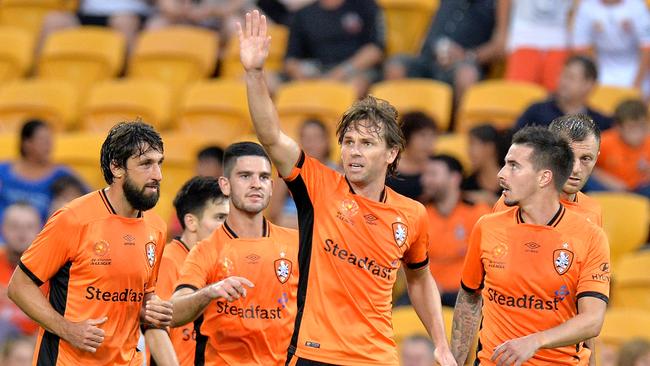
125	140
194	195
550	151
451	162
589	68
575	127
210	152
488	134
414	122
67	181
378	113
28	130
630	110
239	149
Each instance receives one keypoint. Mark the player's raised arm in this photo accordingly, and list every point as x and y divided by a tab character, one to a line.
254	49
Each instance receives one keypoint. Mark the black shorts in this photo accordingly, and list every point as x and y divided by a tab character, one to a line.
102	20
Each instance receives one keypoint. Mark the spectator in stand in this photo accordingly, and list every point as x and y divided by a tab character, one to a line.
486	152
18	352
537	39
125	16
450	222
576	82
30	177
624	162
634	353
419	132
64	190
282	11
336	39
417	350
617	32
20	225
459	47
209	162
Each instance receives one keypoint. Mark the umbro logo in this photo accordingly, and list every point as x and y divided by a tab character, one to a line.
370	219
532	247
129	239
252	258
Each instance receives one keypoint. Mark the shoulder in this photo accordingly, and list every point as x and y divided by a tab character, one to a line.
86	208
283	232
404	203
154	221
498	219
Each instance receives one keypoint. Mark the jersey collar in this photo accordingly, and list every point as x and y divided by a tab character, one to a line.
555	220
107	203
181	243
266	230
382	196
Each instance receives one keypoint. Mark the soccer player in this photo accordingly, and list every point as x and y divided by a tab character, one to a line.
584	137
234	326
541	271
201	208
100	254
354	231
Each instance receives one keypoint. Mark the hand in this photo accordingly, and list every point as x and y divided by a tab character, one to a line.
516	351
444	357
231	288
452	54
158	312
85	335
254	43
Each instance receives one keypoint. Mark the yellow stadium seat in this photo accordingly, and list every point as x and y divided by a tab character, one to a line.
9	146
231	66
16	53
498	102
605	98
81	151
110	102
631	281
218	105
431	97
54	101
176	55
323	99
407	22
622	325
82	55
29	14
625	219
454	144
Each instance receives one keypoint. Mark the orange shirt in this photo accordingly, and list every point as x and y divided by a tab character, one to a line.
532	276
350	251
631	165
448	238
584	205
9	311
98	264
183	338
254	330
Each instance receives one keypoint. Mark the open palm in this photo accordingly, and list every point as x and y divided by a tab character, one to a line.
253	41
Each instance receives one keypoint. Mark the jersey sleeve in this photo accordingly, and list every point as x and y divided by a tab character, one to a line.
595	271
166	278
473	271
160	247
196	270
582	27
416	256
56	245
308	178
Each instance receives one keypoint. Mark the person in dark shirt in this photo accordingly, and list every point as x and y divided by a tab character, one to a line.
576	82
419	133
486	152
336	39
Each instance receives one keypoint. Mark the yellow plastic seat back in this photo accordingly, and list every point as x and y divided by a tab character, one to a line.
16	53
81	151
407	22
631	281
605	98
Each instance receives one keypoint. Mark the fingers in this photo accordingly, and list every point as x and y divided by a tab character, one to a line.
158	312
244	281
255	26
263	26
240	32
97	321
248	24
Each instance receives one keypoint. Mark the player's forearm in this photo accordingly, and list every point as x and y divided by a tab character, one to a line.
29	298
263	113
367	57
591	344
425	298
575	330
467	315
188	305
160	347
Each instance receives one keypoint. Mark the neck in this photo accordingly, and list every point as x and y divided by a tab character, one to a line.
119	202
244	224
446	205
189	239
571	106
540	208
569	197
371	191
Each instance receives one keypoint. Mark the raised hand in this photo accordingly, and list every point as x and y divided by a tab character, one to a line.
254	42
85	335
231	288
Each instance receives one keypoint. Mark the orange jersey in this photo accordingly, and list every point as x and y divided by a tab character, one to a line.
98	264
350	251
183	338
6	268
629	164
531	277
448	240
584	205
254	330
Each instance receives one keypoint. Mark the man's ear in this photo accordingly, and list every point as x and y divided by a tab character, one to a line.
224	184
117	171
191	222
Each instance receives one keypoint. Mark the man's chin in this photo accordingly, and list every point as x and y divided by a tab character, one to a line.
510	203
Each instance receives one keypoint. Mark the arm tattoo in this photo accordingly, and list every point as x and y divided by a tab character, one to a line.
467	315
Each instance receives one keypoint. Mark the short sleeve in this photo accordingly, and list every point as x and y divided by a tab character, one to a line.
54	246
196	270
595	271
473	271
167	277
582	27
310	177
160	247
416	256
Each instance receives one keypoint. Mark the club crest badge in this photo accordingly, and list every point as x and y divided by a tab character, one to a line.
562	260
283	268
150	250
400	233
